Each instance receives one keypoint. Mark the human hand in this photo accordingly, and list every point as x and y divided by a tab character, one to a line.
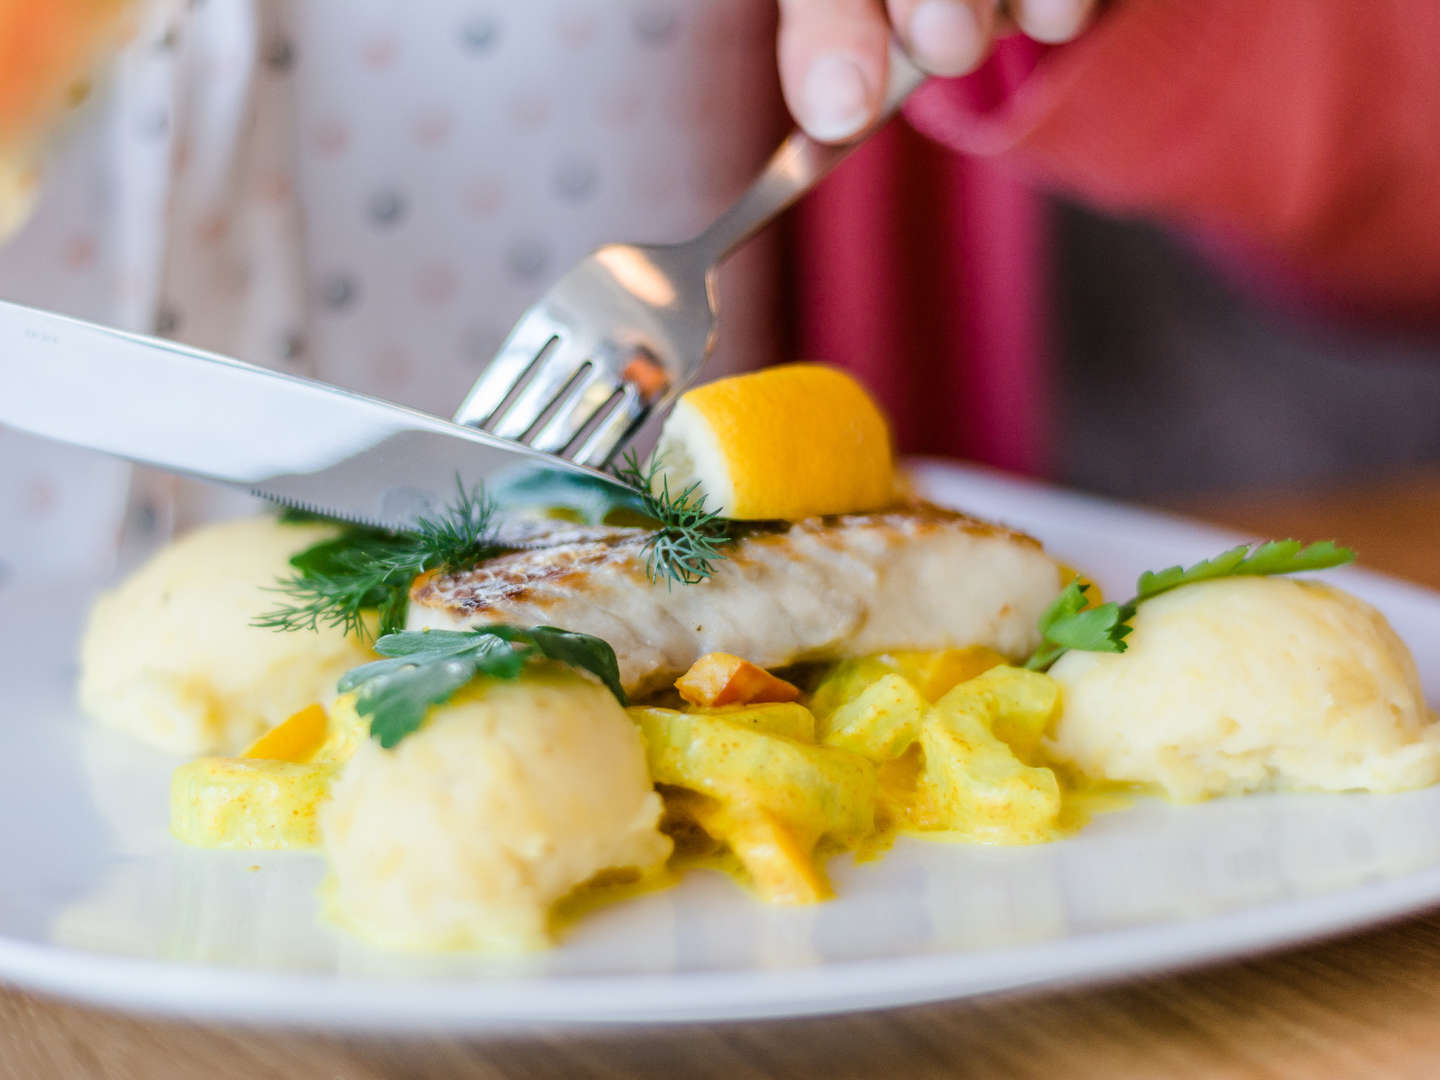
833	52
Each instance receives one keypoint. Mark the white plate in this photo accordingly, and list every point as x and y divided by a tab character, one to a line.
97	902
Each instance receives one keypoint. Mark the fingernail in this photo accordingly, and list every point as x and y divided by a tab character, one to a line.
1053	21
835	102
945	37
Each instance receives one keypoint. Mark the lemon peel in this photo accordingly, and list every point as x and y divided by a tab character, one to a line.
785	443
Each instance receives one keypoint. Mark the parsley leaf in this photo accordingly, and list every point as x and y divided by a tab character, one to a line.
1071	601
1069	624
1274	557
580	651
1097	629
426	667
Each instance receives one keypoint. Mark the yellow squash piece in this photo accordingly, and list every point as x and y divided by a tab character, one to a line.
789	719
814	789
845	682
248	803
1020	704
780	864
754	780
936	673
971	783
933	673
267	799
880	723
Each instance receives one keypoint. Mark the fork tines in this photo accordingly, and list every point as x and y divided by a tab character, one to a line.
560	395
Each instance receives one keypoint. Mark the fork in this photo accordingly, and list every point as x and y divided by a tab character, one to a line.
626	329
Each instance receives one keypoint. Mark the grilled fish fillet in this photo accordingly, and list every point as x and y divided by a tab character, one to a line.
915	577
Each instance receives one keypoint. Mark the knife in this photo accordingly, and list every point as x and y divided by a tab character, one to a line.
295	441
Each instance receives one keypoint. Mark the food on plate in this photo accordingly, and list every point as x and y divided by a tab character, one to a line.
759	786
725	679
972	780
252	803
171	657
760	782
880	721
297	739
1250	684
961	758
581	684
932	674
782	444
511	795
388	699
768	786
269	798
913	577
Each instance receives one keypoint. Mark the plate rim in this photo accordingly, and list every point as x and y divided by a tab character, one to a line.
480	1005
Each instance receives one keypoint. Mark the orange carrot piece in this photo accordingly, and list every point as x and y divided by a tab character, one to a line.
722	679
295	739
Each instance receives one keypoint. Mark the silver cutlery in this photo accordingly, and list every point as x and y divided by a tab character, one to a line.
623	332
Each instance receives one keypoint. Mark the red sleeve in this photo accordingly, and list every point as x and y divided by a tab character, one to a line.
1309	128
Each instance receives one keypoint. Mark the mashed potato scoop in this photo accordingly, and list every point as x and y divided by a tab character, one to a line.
170	655
1250	684
465	834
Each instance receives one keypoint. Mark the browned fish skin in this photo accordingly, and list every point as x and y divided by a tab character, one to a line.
915	577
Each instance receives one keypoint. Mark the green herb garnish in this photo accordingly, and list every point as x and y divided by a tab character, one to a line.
338	580
1068	624
688	539
426	667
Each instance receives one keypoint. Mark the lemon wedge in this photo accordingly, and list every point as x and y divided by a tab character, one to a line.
784	443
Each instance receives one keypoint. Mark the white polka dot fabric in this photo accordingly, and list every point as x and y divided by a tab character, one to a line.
371	192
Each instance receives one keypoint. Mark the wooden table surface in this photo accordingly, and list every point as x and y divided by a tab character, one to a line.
1362	1006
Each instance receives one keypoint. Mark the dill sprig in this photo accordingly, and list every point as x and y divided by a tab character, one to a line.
688	539
338	581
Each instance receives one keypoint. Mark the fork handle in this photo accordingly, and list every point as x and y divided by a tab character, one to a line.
797	166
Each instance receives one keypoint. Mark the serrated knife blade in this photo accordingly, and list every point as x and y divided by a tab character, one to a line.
293	440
